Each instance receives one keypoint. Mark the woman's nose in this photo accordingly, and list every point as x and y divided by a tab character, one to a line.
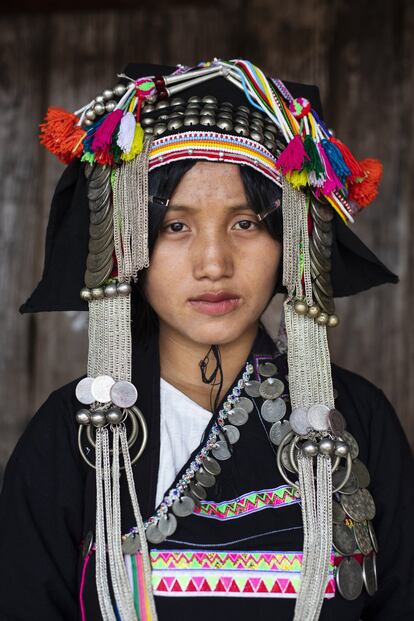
212	256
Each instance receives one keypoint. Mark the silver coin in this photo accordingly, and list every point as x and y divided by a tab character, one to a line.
324	213
131	544
88	170
167	524
153	534
285	457
95	190
221	451
323	282
98	173
184	506
320	249
373	536
322	264
101	201
318	417
338	514
369	574
96	217
336	422
349	578
271	388
198	490
95	279
299	421
205	478
83	391
273	410
101	388
324	226
350	486
362	537
237	416
252	388
327	304
233	434
359	506
95	262
324	237
343	539
123	394
278	431
267	369
98	245
352	443
246	404
197	503
211	465
361	472
96	231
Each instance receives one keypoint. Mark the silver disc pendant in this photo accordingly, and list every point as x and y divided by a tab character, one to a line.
362	537
211	465
338	513
252	388
267	369
131	544
198	490
153	534
167	524
101	388
369	574
271	388
299	421
124	394
183	506
373	536
336	422
359	506
246	404
221	451
318	417
285	457
349	578
361	472
343	539
278	431
205	478
352	443
232	433
273	410
237	416
350	486
83	391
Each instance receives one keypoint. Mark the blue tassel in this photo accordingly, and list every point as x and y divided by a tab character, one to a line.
337	161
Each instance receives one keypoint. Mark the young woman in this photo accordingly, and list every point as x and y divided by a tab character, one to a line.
199	469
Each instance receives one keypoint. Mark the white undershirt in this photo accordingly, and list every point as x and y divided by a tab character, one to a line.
181	427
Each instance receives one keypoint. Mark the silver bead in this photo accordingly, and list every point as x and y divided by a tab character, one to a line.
87	122
114	416
119	90
341	448
86	294
314	311
83	417
159	128
333	321
90	115
108	94
98	418
99	108
301	307
322	319
309	448
110	105
326	446
110	291
97	293
99	99
124	288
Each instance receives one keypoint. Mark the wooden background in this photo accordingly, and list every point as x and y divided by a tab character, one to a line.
359	52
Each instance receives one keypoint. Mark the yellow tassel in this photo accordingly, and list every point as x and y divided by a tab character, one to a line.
136	146
297	179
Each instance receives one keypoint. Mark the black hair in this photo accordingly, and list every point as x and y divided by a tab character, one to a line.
261	195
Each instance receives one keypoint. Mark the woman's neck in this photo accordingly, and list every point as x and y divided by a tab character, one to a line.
180	363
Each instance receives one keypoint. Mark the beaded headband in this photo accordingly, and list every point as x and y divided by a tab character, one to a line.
121	135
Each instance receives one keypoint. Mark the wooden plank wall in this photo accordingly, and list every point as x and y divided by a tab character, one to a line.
358	51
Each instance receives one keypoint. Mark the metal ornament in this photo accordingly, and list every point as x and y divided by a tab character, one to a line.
153	534
238	416
349	578
273	410
167	524
131	544
344	539
184	506
362	537
83	391
272	388
101	388
369	573
123	394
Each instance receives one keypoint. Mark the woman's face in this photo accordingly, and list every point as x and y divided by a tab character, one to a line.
211	245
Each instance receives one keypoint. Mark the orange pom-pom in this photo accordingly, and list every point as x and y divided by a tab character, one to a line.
366	190
61	134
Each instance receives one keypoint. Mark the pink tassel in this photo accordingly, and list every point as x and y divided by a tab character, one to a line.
103	135
293	156
332	182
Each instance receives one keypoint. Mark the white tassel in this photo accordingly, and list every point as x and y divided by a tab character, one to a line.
126	132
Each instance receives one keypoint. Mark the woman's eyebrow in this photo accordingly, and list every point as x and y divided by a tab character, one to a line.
189	208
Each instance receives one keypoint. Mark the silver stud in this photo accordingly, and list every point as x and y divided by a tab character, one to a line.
177	101
175	124
91	115
209	99
114	416
194	99
208	120
160	105
191	120
258	115
162	117
207	112
223	114
241	130
147	108
98	418
241	121
119	90
99	108
148	131
255	135
83	417
159	128
243	109
110	105
225	124
256	124
269	145
268	134
107	94
147	121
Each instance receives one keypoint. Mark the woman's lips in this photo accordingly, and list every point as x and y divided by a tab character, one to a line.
215	308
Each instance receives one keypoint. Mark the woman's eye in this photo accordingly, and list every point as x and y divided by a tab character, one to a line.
246	225
174	227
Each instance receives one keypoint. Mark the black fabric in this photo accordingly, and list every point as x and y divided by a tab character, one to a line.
48	505
354	267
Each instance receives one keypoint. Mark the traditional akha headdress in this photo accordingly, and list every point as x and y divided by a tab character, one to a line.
225	111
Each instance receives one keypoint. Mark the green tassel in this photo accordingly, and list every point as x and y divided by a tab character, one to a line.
314	163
